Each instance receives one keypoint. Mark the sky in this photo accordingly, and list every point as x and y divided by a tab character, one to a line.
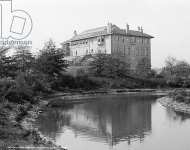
167	20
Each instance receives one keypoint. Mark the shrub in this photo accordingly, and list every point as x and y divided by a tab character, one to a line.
187	100
22	111
179	98
81	72
78	82
6	85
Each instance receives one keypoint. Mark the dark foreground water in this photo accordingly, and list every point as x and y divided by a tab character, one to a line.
119	123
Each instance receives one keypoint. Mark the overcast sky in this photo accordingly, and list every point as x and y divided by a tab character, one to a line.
167	20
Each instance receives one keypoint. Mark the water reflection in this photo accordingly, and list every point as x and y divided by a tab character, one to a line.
177	116
109	120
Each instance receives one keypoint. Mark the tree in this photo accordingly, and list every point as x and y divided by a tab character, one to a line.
8	67
176	72
50	61
24	59
97	66
108	66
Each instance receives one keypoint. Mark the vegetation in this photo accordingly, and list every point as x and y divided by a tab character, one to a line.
180	95
176	73
108	66
25	77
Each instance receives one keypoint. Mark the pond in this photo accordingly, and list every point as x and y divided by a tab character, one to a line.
120	122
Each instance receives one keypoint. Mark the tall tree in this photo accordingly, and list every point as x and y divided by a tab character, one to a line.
176	72
50	61
23	59
97	66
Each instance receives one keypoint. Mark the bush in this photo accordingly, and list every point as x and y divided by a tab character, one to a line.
81	72
179	95
179	98
22	111
18	90
6	85
78	82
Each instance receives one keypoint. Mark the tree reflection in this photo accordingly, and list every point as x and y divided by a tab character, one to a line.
177	116
109	119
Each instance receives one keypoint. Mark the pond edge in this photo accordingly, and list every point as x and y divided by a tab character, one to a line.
176	106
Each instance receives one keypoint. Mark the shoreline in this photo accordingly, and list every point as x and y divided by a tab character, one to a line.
33	137
59	99
176	106
22	133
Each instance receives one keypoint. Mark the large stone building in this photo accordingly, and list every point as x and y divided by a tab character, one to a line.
133	47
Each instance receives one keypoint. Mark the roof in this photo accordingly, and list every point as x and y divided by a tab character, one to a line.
139	34
100	31
90	33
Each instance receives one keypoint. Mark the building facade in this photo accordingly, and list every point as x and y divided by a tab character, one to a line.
133	47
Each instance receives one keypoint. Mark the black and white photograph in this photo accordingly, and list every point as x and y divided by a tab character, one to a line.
94	75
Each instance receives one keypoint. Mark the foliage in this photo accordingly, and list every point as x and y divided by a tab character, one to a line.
78	82
20	91
23	88
24	59
80	72
50	61
98	65
5	87
180	95
177	73
108	66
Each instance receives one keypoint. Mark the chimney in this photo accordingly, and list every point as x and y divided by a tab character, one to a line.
141	29
109	27
75	33
127	27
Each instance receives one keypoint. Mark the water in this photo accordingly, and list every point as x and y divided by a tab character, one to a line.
117	123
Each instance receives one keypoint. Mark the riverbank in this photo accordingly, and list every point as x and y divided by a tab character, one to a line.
17	121
59	99
16	126
174	105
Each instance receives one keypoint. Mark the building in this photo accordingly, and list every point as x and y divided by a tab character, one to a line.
133	47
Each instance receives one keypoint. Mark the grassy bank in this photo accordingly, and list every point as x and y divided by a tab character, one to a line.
16	126
178	100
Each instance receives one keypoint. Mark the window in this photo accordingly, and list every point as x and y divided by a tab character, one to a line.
133	39
129	51
147	51
124	50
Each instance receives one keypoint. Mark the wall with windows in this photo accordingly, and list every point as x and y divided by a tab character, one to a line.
78	48
101	44
131	49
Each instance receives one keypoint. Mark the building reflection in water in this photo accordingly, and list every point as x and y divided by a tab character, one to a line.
109	119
